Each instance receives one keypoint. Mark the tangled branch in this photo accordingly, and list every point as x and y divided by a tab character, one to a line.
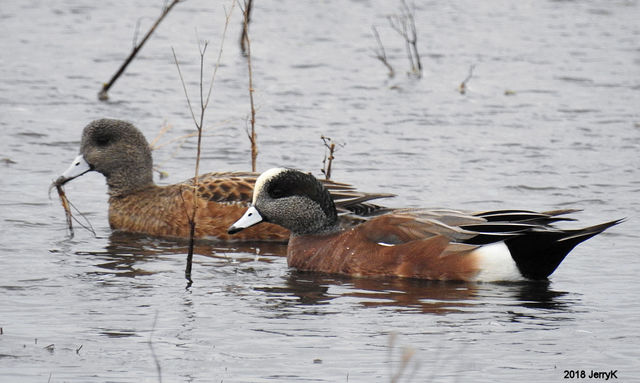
405	25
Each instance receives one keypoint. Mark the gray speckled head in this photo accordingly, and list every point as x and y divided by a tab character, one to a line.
118	150
296	201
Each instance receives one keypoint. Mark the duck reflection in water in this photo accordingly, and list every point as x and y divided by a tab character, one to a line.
410	295
127	254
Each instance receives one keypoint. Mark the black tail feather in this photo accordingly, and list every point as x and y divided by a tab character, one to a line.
538	253
526	216
581	235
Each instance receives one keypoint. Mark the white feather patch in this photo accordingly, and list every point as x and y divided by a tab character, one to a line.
257	189
496	264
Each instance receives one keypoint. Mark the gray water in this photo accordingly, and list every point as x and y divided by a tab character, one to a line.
551	120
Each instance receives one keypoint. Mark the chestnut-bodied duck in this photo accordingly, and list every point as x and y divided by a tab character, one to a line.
505	245
119	151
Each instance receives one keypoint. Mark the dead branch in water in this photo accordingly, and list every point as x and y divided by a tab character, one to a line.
330	145
67	205
199	124
405	25
245	26
463	85
103	94
381	54
253	137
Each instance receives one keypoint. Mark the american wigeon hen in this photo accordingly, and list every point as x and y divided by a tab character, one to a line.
121	153
505	245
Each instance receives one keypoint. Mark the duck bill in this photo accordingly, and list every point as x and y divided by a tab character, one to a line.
78	167
251	217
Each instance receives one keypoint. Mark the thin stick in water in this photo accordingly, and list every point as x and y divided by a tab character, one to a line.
253	137
67	205
463	85
405	25
380	53
327	162
246	22
199	124
103	95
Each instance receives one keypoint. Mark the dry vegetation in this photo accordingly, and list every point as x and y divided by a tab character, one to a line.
246	49
330	146
404	24
199	122
103	95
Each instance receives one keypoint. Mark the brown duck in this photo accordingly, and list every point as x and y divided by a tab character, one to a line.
119	151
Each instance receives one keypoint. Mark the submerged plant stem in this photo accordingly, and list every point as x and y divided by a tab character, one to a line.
253	137
199	124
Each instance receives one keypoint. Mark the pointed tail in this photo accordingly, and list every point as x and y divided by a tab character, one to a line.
538	253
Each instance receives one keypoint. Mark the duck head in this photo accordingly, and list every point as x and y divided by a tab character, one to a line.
119	151
292	199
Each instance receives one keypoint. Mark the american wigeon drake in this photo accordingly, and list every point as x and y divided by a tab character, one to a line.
121	153
505	245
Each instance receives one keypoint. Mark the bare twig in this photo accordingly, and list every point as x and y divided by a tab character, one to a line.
253	137
67	205
156	145
165	128
463	85
191	216
136	31
180	140
103	94
380	52
199	124
227	16
330	145
184	87
405	25
245	26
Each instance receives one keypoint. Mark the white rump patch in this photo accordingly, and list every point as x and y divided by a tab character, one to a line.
496	264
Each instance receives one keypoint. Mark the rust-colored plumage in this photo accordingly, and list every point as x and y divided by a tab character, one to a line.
120	152
352	252
163	211
440	244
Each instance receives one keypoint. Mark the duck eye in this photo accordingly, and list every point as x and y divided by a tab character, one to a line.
277	193
102	140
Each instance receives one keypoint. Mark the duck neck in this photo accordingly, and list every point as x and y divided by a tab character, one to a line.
127	182
327	230
315	224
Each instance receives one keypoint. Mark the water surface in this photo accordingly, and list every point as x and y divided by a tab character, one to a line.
550	120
